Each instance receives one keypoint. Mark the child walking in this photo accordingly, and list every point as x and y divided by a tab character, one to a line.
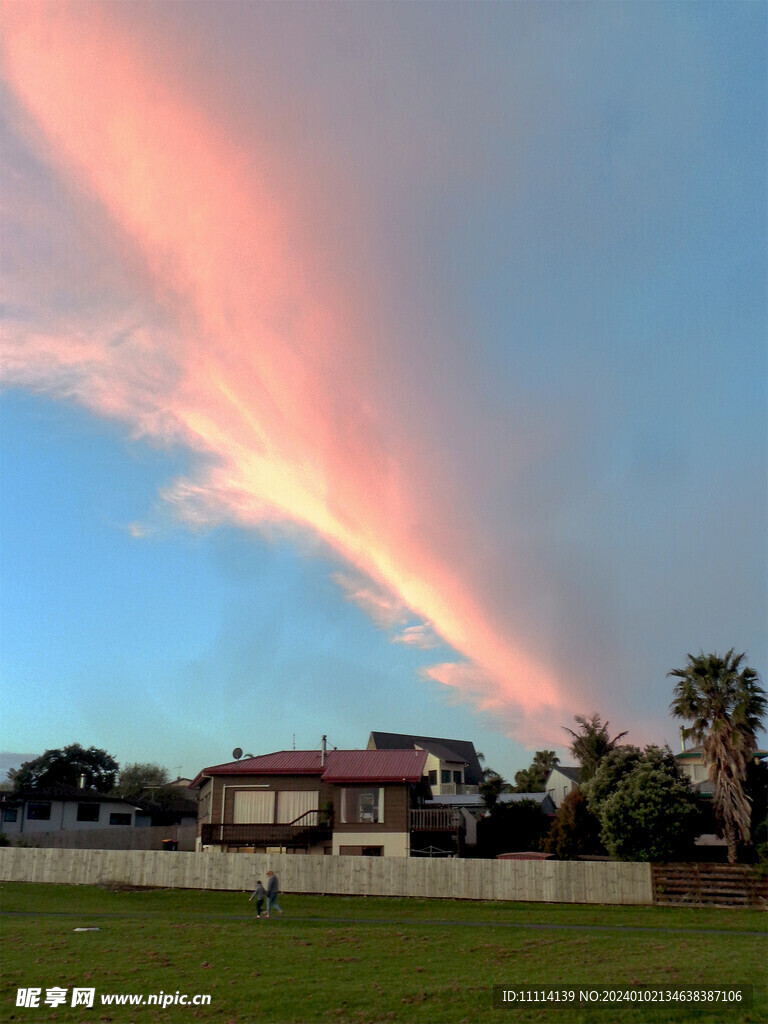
259	894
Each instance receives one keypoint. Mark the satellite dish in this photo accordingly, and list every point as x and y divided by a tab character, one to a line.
237	753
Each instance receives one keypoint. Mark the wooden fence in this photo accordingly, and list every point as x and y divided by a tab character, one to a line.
709	885
535	881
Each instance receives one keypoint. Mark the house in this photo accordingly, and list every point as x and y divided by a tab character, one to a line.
180	783
467	810
355	802
33	811
561	781
452	766
175	809
692	763
474	802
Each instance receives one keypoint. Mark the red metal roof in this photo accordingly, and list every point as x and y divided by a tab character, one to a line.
340	765
374	765
281	762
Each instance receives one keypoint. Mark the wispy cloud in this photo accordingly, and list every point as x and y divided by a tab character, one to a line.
422	636
255	374
402	303
385	609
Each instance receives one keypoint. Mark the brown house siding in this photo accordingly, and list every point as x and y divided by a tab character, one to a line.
222	791
395	811
224	788
204	805
274	784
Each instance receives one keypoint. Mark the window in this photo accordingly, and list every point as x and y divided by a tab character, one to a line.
457	778
254	807
39	810
119	818
362	806
433	778
445	775
10	814
293	804
88	812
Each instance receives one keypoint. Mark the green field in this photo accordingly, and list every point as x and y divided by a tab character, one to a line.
338	959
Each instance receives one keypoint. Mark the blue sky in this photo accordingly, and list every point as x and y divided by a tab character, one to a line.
428	395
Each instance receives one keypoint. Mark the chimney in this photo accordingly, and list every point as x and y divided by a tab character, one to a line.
82	781
323	744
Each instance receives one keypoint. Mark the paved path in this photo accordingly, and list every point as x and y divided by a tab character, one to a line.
404	922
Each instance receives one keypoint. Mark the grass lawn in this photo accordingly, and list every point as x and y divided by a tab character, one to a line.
339	959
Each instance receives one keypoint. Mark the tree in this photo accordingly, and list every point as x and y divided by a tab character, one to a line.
591	743
511	827
141	778
616	764
533	779
575	831
63	767
757	792
653	814
491	787
725	705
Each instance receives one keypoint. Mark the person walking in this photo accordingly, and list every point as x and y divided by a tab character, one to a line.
273	888
258	894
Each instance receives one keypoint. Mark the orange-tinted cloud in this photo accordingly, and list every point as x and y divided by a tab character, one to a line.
255	374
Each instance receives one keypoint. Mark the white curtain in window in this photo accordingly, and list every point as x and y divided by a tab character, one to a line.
254	807
292	804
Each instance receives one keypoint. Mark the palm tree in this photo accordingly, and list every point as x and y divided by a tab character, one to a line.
726	708
491	787
591	743
533	779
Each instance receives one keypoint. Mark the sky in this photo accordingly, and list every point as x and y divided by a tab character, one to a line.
377	367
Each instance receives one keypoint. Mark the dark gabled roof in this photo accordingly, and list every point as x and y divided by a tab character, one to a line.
339	765
574	774
461	751
70	793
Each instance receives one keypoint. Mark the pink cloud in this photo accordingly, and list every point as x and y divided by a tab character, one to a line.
422	636
264	372
385	610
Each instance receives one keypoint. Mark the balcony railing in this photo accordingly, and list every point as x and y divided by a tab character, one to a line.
454	788
436	819
306	830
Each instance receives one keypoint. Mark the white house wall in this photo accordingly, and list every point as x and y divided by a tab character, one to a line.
395	844
64	816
